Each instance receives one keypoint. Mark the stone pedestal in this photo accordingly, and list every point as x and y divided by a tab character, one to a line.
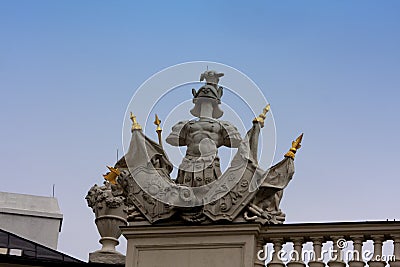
233	245
107	257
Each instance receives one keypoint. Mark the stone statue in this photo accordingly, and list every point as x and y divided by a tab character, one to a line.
203	213
201	193
203	136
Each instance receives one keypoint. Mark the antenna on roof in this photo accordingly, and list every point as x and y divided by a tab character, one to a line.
54	185
117	154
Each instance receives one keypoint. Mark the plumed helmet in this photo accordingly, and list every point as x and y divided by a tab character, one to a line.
208	92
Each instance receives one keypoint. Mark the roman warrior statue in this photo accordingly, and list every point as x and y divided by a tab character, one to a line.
201	193
203	135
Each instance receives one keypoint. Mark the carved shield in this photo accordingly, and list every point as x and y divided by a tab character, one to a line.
229	203
147	187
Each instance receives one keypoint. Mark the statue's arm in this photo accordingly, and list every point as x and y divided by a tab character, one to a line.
230	134
177	137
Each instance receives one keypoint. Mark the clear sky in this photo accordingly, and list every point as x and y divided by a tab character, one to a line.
330	69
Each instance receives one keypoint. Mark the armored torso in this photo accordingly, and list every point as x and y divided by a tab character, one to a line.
202	137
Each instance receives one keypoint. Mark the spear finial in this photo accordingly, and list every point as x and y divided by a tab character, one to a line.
295	146
157	122
261	118
135	124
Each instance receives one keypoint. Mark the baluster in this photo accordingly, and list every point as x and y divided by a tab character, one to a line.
276	260
297	260
337	261
396	251
376	260
317	261
260	246
357	260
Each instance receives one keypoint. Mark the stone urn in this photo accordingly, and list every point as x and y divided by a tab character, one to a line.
110	211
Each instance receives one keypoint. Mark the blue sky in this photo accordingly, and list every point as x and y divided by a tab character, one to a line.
330	69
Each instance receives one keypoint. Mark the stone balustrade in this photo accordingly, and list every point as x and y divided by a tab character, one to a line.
356	244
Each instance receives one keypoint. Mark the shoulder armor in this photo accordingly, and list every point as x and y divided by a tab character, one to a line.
177	135
229	127
231	134
179	125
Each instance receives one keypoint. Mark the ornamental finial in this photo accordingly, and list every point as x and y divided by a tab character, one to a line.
135	124
295	146
112	175
261	118
157	122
